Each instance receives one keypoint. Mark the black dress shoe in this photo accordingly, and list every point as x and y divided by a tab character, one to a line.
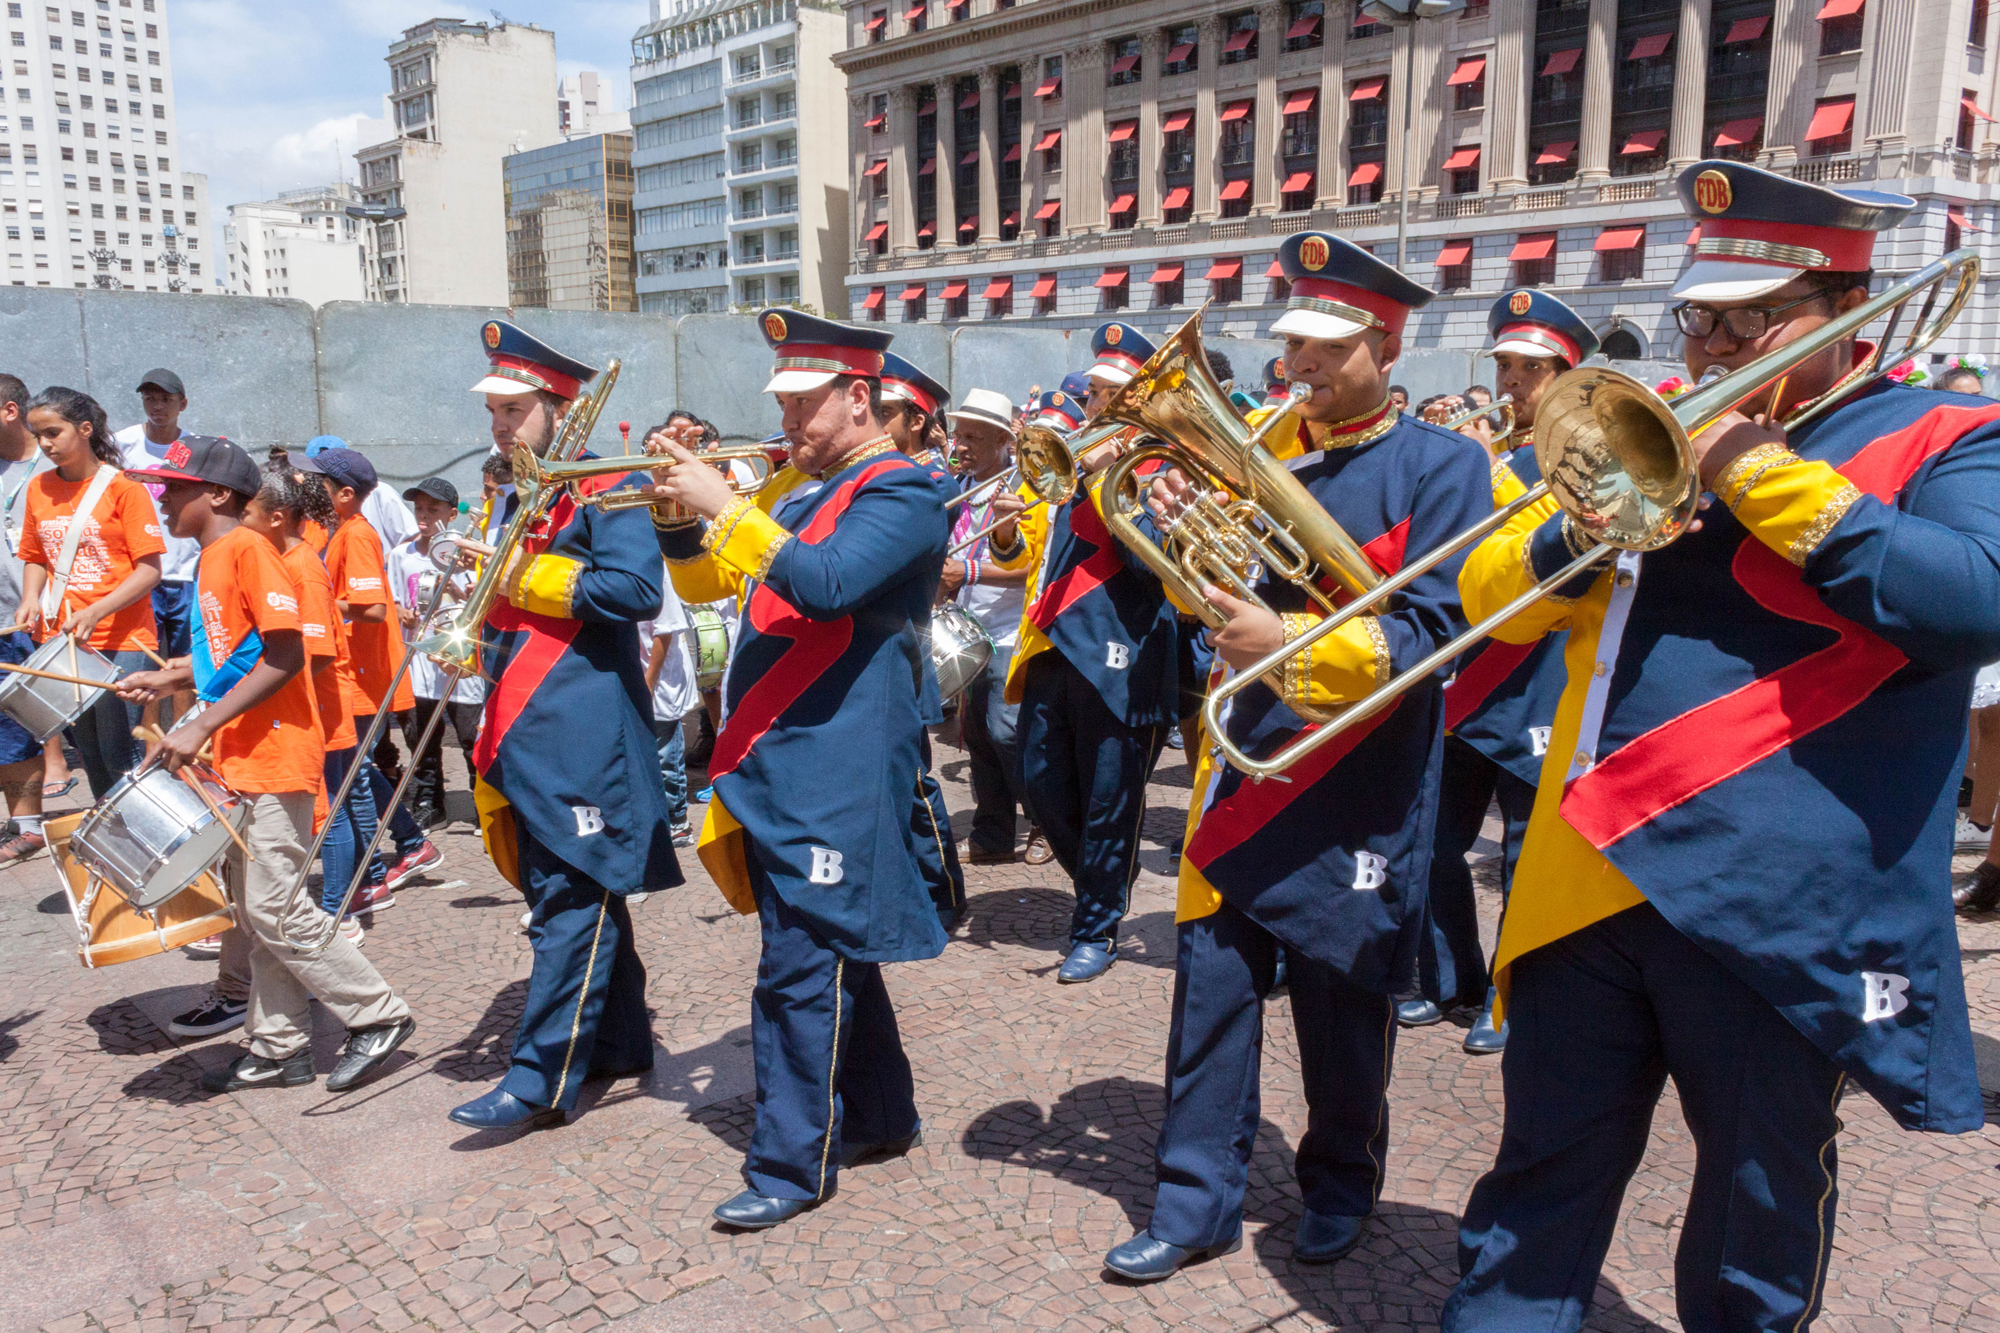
1983	893
365	1051
631	1071
751	1211
254	1071
1147	1258
1325	1237
862	1152
500	1109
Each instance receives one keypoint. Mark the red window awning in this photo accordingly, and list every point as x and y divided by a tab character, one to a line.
1301	100
914	12
1048	210
1011	93
1224	268
1975	109
998	288
1556	153
1123	64
1113	277
877	232
1166	273
1620	238
1830	119
971	156
1049	88
928	109
1646	141
1837	9
1013	153
1747	30
1180	53
1177	198
1121	130
1694	233
1297	182
1367	90
1736	133
914	292
1044	286
1646	48
929	168
1563	61
1238	110
1235	190
1123	203
1463	160
969	223
1305	27
875	297
1238	40
928	229
1277	270
1176	122
1540	245
879	21
1013	218
1454	254
1470	70
873	122
1365	173
969	101
877	167
953	289
1048	141
1964	223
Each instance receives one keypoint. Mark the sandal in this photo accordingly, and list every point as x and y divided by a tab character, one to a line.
51	790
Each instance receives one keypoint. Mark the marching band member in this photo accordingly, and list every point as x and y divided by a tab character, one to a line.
569	794
1728	879
1275	383
1094	673
1328	868
1499	707
818	758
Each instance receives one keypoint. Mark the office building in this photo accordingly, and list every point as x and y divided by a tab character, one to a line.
569	225
1060	160
463	97
739	148
92	186
582	110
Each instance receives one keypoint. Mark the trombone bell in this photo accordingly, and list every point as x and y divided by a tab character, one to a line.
1617	458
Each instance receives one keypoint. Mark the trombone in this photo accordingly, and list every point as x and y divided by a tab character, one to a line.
1503	405
1618	459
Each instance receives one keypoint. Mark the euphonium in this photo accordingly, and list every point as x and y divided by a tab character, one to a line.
1619	460
572	474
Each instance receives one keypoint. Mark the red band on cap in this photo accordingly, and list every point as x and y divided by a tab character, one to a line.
915	392
1846	249
829	358
1112	356
534	375
1542	336
1392	313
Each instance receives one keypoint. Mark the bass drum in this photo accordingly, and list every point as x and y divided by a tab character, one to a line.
959	648
711	646
109	929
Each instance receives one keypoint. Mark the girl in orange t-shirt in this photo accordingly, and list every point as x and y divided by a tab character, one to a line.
104	598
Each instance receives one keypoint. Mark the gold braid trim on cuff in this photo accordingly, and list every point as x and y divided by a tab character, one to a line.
1298	667
1500	474
1383	666
724	523
666	522
1579	542
770	554
1815	533
688	559
1528	566
1747	469
573	577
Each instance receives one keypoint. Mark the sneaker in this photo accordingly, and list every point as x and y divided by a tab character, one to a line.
254	1071
350	930
527	919
22	847
705	795
365	1051
1967	837
636	897
371	898
425	857
208	948
212	1015
683	836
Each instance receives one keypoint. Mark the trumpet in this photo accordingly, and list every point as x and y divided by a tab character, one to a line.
1618	459
1051	464
1504	405
572	474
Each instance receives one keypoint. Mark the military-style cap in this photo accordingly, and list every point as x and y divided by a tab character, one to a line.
1339	289
902	380
519	362
1533	323
1759	230
1276	386
208	459
1055	409
813	351
1077	385
1120	350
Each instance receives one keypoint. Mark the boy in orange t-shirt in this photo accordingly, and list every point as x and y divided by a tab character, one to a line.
248	668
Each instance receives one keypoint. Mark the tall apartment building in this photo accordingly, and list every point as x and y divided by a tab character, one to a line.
303	245
463	96
1063	159
739	144
92	191
569	225
581	110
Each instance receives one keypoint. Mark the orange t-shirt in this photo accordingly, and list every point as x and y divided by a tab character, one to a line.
121	530
314	536
354	559
326	636
242	585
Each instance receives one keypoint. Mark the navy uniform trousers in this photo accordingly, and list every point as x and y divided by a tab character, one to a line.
930	834
585	1014
1083	774
1347	1038
1598	1021
830	1064
1451	964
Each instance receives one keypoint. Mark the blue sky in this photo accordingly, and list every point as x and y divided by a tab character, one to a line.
274	94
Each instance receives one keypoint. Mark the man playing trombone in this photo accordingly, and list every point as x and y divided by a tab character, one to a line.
1729	878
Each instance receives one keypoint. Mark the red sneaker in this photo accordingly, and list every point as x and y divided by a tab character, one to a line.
371	898
425	857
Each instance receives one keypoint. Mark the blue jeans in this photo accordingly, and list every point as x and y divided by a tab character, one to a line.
673	769
403	830
104	732
170	616
350	827
988	726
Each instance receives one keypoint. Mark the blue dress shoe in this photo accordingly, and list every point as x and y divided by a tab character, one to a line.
751	1211
1418	1013
500	1109
1147	1258
862	1152
1087	962
1324	1237
1485	1038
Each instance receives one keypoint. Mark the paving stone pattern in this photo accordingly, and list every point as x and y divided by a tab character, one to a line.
130	1200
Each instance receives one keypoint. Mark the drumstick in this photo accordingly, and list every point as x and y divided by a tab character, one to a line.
57	675
158	660
150	732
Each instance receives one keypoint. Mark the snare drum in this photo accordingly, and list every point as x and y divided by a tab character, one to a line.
711	646
960	649
152	836
46	706
109	930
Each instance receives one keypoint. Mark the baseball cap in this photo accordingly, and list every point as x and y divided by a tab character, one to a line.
437	488
205	458
162	378
345	466
319	444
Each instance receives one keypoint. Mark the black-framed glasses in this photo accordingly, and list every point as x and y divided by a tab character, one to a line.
1745	323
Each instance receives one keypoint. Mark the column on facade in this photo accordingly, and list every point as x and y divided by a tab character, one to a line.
1084	160
943	93
1269	165
1594	153
905	156
1031	131
1153	54
1684	145
1887	83
862	192
1207	129
1333	111
989	154
1428	117
1507	84
1788	91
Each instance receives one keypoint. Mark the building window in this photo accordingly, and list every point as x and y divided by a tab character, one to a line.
1305	24
1169	287
748	65
956	298
1468	84
1050	216
1362	25
1124	166
1621	253
999	297
1301	133
1462	170
1050	147
878	177
1051	84
878	113
1534	259
750	291
1114	288
1976	34
1045	294
916	309
1368	114
1551	163
917	16
1183	50
1641	153
1297	193
877	26
876	303
1840	26
1225	281
1239	134
1235	198
1454	266
1831	131
1124	212
1124	61
749	110
1241	43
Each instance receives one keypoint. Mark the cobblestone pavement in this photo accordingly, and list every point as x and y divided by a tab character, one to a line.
129	1200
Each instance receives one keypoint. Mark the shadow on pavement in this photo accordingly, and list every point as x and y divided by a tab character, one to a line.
9	1043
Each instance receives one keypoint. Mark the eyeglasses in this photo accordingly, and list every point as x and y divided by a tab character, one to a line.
1744	323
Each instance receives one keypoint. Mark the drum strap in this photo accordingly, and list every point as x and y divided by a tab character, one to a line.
57	588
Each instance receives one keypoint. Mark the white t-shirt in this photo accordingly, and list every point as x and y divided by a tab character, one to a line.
177	565
407	566
676	695
997	607
14	478
389	516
